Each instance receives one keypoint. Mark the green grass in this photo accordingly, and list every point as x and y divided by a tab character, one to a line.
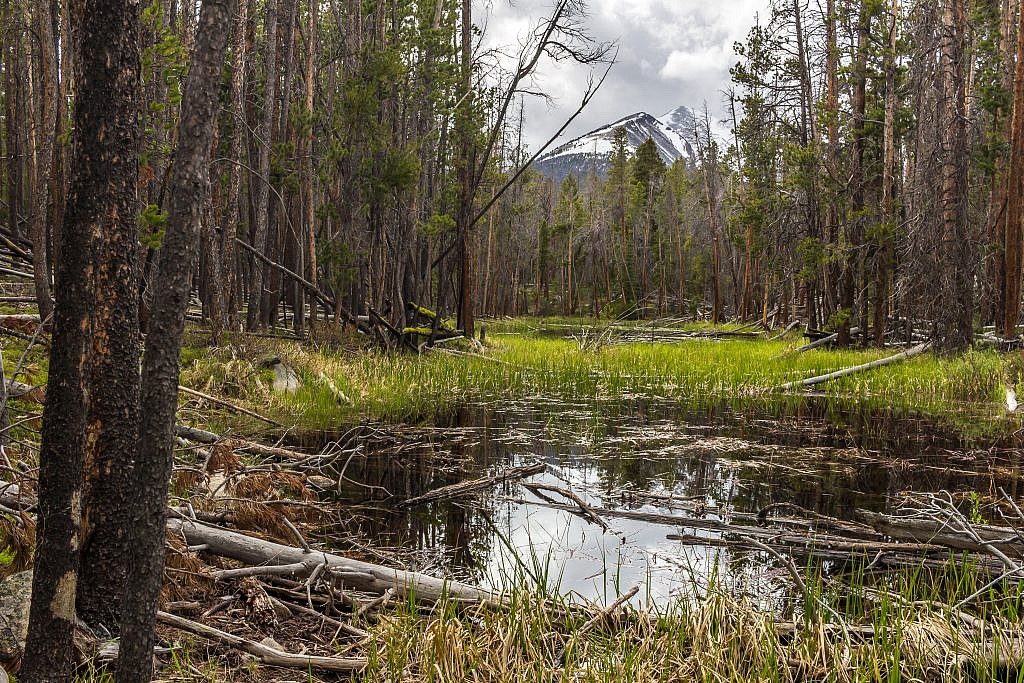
899	625
342	386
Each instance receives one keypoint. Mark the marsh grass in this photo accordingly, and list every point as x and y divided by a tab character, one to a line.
897	627
342	386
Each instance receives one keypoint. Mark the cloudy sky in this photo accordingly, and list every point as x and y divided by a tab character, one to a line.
671	52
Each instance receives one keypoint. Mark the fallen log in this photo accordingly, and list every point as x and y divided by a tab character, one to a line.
15	273
209	438
466	487
266	654
585	510
811	381
359	575
815	344
1004	539
309	286
430	315
24	336
25	392
792	326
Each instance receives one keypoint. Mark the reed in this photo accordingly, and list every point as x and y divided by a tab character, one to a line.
343	386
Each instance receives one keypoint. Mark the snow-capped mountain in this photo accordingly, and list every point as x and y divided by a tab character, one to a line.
591	153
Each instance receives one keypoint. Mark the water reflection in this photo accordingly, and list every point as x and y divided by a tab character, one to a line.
721	463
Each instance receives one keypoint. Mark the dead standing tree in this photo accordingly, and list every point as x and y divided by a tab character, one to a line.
562	37
190	185
102	200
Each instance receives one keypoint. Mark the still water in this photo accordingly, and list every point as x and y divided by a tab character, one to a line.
718	464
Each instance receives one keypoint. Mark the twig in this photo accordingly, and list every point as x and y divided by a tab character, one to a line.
261	570
586	511
594	621
467	487
226	404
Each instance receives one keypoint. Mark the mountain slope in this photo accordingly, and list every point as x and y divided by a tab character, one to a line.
591	153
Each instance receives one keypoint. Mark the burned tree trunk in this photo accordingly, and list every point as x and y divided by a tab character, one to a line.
190	184
112	381
102	199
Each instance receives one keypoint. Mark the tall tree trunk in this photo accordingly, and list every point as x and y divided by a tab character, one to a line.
884	264
467	171
102	199
189	186
1015	196
14	111
259	182
46	133
309	195
955	310
853	267
229	251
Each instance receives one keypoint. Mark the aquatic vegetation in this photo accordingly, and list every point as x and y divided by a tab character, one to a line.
346	386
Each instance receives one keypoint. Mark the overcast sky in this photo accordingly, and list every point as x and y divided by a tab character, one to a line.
671	53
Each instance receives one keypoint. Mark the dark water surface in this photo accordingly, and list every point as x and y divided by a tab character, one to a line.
717	464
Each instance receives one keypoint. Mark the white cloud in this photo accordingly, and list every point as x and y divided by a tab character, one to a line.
671	52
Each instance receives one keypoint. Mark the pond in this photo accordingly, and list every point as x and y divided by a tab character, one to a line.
719	464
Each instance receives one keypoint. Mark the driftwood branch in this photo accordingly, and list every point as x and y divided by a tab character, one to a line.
209	438
466	487
585	510
811	381
360	575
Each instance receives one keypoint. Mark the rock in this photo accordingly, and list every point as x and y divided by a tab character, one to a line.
285	379
270	642
320	483
15	600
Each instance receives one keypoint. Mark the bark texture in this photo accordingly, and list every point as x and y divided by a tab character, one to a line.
190	184
101	199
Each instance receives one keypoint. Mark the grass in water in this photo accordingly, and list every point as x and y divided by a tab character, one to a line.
340	386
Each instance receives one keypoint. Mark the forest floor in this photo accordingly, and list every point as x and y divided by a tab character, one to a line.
289	416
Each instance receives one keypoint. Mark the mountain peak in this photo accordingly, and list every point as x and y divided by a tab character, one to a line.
591	153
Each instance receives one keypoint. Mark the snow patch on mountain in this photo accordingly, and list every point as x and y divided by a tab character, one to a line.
672	133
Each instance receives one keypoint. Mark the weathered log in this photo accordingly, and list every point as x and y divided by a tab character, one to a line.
817	343
309	286
24	336
362	576
789	328
1005	539
430	315
585	510
811	381
466	487
204	437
